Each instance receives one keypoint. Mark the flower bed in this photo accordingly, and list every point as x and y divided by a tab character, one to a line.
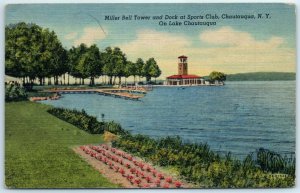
139	173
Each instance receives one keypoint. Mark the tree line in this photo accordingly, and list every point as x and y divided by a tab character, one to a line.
33	53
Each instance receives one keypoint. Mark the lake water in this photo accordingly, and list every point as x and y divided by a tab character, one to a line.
239	117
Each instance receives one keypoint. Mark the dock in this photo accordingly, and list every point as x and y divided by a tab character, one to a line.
127	94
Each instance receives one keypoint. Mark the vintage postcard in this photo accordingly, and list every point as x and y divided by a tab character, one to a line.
151	95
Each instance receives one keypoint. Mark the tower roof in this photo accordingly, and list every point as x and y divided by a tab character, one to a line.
183	56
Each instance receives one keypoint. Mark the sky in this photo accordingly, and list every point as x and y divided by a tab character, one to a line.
231	46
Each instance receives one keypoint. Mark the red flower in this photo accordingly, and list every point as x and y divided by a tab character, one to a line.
137	181
148	168
82	147
122	171
169	180
142	174
129	177
137	173
154	172
99	157
148	179
177	184
105	146
116	168
157	182
160	176
127	165
146	186
132	170
113	158
135	162
110	165
141	165
166	185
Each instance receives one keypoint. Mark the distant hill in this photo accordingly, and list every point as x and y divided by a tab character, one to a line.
261	76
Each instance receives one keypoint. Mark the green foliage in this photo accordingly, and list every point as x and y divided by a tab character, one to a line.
86	122
85	62
262	76
14	92
273	162
130	69
200	165
38	151
151	69
115	63
139	66
217	76
39	94
34	52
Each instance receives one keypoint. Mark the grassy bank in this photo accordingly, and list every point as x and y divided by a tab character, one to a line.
38	150
195	163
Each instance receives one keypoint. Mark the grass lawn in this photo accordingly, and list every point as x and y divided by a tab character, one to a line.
38	151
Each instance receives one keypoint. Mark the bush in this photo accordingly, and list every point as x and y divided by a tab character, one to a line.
198	164
274	162
14	92
86	122
109	137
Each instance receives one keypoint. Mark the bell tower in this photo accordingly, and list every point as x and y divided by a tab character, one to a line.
182	65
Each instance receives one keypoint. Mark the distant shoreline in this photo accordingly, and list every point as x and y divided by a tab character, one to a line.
262	76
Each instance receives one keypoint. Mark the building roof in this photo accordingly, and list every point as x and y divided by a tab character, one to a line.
188	76
183	56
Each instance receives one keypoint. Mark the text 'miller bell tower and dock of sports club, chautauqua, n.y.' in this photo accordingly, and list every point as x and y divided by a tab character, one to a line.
183	78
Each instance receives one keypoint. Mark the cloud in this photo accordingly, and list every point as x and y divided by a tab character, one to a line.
90	36
153	43
237	51
71	36
163	46
229	36
228	50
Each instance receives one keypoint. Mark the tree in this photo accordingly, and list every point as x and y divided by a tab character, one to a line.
85	62
74	55
108	64
32	52
217	76
156	72
90	64
22	45
114	64
139	67
150	69
130	70
55	61
120	61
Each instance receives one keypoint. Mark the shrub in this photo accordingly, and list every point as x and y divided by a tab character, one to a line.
88	123
14	92
198	164
274	162
109	137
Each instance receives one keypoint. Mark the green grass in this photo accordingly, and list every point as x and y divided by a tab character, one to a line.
38	151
